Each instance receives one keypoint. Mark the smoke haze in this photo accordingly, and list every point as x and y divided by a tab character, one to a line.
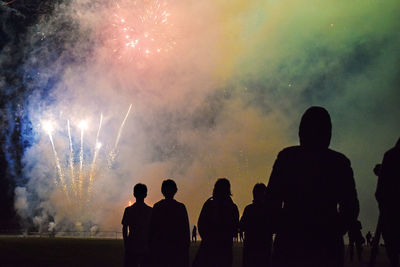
217	93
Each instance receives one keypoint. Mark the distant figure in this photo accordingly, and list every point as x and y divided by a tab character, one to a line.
169	230
256	225
218	224
314	197
356	239
388	197
369	238
194	234
236	236
136	220
241	235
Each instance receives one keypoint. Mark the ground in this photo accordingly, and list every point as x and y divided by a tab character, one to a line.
46	251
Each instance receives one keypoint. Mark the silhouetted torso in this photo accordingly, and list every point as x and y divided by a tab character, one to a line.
388	197
257	228
315	201
217	225
169	234
137	218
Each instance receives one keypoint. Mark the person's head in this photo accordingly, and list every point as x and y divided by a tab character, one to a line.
140	191
168	188
315	128
222	188
259	193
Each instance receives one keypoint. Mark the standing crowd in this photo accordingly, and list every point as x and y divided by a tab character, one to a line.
310	203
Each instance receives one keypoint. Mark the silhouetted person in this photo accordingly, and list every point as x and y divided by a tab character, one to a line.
256	225
356	239
314	197
194	234
241	235
369	238
169	230
388	197
135	229
217	225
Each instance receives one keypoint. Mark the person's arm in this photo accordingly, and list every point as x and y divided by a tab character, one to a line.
125	228
349	207
276	191
202	223
243	220
186	226
125	234
236	220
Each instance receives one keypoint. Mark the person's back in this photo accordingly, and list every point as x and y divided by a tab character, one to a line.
169	231
257	227
136	221
217	225
307	184
388	197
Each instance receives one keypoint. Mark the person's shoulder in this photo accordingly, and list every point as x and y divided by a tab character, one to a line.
338	156
129	208
180	204
288	151
159	204
248	208
393	152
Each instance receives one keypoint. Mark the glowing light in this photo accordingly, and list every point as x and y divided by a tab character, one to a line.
98	145
48	127
77	184
130	203
83	125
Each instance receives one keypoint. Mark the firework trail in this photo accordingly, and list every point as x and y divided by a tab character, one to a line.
71	160
113	152
96	151
83	126
49	129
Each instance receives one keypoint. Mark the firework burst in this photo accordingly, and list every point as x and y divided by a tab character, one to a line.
140	29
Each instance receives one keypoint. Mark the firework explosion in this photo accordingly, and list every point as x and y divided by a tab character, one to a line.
77	187
140	29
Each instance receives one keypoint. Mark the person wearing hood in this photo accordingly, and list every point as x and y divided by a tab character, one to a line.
388	197
218	224
314	197
255	223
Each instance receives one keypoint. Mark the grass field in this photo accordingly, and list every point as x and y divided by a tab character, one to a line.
44	251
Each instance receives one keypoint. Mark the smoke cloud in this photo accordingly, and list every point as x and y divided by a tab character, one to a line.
218	92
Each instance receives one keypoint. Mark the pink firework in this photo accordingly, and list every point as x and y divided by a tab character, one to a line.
141	28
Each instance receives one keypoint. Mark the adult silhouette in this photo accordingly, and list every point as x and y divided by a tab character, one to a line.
135	229
194	234
388	197
257	228
314	197
356	239
217	225
169	230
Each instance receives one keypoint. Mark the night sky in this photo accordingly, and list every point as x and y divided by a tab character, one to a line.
217	90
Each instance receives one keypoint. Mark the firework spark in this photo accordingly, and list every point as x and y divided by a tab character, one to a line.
113	152
141	29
